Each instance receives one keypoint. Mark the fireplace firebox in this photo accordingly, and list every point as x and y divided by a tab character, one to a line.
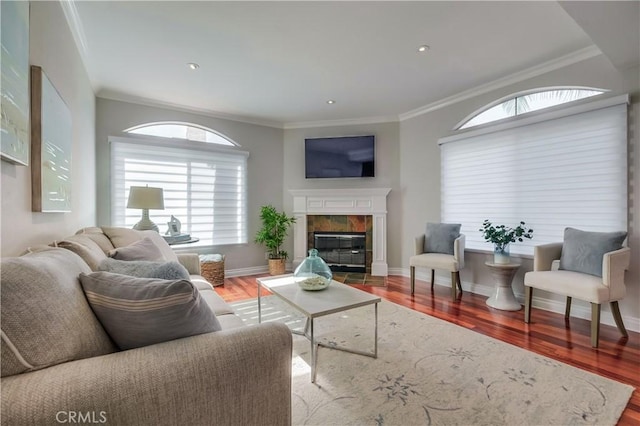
342	251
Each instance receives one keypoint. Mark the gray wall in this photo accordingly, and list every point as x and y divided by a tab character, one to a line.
52	48
420	177
264	176
387	171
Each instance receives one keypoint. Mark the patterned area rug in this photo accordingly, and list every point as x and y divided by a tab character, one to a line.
360	278
429	371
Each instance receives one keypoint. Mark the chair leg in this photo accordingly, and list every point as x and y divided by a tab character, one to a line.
433	276
413	278
615	310
453	286
595	324
567	311
528	295
458	281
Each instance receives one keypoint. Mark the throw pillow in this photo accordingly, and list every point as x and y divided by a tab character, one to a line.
583	251
138	312
166	250
121	237
143	249
439	237
84	247
145	269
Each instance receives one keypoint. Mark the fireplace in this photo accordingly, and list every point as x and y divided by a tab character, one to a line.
342	251
348	210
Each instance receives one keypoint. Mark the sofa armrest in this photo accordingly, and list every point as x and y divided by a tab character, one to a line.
458	250
191	261
240	376
545	254
614	264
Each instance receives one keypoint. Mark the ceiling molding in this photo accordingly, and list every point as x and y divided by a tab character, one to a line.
76	28
563	61
341	122
201	111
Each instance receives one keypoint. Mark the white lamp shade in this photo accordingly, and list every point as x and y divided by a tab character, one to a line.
144	197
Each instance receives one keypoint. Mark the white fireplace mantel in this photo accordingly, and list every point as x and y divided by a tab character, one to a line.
361	201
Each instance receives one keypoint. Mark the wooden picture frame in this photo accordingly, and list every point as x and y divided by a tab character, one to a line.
51	145
14	87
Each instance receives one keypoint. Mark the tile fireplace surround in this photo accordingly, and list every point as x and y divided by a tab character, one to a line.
362	201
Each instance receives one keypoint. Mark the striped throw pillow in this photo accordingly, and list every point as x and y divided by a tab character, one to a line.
139	312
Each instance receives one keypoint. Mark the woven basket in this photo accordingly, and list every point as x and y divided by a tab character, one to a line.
213	271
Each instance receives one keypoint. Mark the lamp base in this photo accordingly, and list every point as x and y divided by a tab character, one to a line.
145	223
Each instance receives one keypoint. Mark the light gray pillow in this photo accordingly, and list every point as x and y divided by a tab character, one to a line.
143	249
583	251
138	312
439	237
145	269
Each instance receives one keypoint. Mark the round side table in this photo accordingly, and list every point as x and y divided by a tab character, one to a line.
503	297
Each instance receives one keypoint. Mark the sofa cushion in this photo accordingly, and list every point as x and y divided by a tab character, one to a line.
84	247
98	237
166	250
121	237
143	249
45	316
439	237
583	251
143	311
145	269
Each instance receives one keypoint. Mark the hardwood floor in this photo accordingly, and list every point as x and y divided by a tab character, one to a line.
548	334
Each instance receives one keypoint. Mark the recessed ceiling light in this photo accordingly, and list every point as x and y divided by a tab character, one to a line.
423	48
193	65
331	102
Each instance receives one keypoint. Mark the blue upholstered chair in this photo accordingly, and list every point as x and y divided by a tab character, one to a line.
588	266
441	247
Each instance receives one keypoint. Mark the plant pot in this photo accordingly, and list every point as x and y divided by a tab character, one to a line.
276	266
501	254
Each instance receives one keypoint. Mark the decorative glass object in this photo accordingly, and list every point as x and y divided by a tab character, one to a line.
501	254
313	273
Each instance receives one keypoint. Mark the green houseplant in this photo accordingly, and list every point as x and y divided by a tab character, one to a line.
501	236
275	226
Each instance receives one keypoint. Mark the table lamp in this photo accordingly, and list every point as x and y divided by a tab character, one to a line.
145	198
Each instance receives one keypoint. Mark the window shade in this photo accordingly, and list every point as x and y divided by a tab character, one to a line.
559	172
204	187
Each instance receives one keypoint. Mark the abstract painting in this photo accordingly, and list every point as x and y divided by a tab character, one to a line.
14	87
51	144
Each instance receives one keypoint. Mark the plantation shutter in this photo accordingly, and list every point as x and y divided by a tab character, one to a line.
204	186
566	168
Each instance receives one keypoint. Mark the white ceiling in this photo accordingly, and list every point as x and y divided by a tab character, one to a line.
278	63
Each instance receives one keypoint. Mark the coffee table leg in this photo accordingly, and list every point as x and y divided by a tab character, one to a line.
259	305
314	353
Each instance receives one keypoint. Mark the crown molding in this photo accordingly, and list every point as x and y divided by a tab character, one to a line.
76	28
561	62
121	97
341	122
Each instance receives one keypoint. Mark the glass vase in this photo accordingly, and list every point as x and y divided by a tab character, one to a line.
501	254
313	273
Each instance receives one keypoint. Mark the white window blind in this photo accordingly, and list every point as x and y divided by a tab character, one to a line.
555	171
204	187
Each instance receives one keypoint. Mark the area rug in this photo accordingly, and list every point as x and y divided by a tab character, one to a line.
429	371
360	278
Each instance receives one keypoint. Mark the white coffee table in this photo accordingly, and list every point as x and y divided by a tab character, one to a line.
337	297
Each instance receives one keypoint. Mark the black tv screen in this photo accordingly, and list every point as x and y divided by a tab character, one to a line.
341	157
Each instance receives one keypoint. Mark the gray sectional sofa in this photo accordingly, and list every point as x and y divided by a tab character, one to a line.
60	366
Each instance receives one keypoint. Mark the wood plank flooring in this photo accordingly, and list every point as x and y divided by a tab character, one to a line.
548	334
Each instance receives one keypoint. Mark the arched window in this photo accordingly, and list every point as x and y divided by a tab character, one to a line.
203	175
525	103
178	130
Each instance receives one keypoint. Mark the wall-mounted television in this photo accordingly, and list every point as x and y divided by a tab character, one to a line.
340	157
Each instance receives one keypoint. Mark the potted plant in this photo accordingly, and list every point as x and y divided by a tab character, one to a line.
501	236
272	234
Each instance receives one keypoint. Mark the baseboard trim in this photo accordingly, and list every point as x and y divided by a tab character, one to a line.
579	309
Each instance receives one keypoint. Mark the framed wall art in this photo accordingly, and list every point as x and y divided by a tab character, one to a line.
51	145
14	87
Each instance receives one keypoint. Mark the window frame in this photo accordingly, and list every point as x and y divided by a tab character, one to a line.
130	131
